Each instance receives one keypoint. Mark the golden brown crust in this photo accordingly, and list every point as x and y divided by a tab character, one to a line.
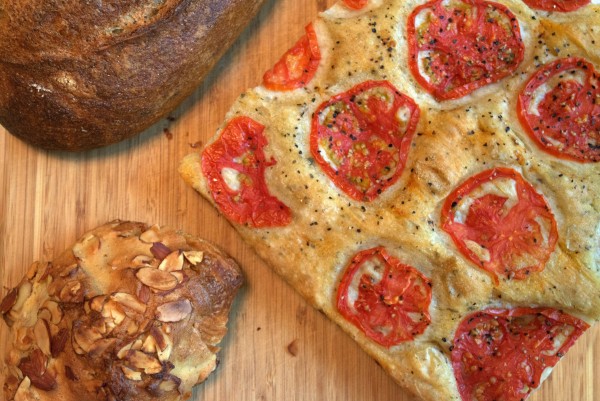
130	312
78	75
454	140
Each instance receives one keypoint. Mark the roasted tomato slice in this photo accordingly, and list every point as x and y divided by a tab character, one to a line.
557	5
355	4
499	222
234	166
457	46
361	137
560	109
387	300
297	66
501	354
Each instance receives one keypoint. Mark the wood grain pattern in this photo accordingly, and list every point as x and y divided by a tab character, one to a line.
47	200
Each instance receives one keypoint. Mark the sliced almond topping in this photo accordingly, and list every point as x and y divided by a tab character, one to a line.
151	235
42	336
160	250
85	338
22	393
173	262
156	279
194	257
113	312
97	303
179	276
9	301
122	353
137	345
141	261
144	293
58	342
132	327
174	311
99	347
149	345
147	363
164	343
131	374
23	294
71	292
55	311
129	301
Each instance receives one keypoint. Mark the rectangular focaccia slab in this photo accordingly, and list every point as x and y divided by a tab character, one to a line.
426	212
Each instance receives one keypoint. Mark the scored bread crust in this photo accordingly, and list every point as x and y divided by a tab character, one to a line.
454	140
77	75
130	312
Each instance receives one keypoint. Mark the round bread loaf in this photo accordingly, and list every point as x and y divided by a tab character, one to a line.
76	75
129	313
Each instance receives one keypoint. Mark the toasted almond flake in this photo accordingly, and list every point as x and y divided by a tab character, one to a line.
149	345
173	262
9	301
151	235
179	276
194	257
131	374
42	336
55	311
85	338
160	250
156	279
174	311
23	391
129	301
147	363
122	353
141	261
163	342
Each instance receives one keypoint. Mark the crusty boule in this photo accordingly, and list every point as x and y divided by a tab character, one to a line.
76	75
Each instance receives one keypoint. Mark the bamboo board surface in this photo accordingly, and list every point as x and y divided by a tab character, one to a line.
278	348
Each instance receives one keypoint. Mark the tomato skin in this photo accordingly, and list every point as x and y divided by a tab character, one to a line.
458	60
355	4
567	124
360	132
297	66
509	236
240	149
385	310
557	5
500	354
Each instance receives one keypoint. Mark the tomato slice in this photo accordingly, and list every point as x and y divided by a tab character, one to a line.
361	138
499	222
560	109
457	46
355	4
234	166
387	300
501	354
557	5
297	66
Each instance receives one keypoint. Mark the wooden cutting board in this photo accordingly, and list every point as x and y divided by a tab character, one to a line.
278	347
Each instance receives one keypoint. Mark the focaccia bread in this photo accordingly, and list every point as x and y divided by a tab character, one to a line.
77	75
130	312
426	174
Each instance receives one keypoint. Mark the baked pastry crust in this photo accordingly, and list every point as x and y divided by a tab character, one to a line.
79	75
130	312
454	140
